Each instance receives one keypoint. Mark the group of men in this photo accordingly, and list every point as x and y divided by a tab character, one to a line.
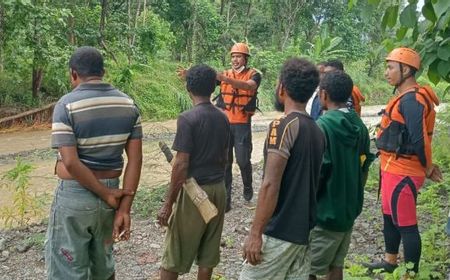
314	171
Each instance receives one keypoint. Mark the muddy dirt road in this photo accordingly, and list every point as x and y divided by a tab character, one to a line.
140	257
33	147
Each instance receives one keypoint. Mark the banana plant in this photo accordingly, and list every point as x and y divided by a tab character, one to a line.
325	47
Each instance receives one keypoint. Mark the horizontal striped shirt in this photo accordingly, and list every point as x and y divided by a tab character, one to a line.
99	120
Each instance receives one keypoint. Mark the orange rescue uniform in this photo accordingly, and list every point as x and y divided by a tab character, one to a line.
237	100
397	154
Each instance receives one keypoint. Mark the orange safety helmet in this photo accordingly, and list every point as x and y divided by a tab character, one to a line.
240	48
406	56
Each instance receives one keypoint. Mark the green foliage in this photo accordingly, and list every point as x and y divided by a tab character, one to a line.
135	39
325	47
24	206
154	35
374	88
218	277
36	240
35	45
354	270
162	96
372	183
148	200
427	31
229	241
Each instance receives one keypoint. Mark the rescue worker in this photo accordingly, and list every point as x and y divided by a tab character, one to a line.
355	100
404	143
238	90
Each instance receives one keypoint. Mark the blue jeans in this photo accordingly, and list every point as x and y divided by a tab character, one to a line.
79	242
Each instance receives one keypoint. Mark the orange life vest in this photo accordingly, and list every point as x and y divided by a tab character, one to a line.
396	153
236	100
357	99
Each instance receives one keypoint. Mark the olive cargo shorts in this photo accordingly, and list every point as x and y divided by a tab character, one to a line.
328	248
188	238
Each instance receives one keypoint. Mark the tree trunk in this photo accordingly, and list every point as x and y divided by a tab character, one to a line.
129	37
144	17
38	74
247	19
102	19
292	10
71	24
194	34
225	35
136	17
37	71
222	5
2	34
101	30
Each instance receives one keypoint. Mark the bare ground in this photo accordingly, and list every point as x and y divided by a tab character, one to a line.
21	255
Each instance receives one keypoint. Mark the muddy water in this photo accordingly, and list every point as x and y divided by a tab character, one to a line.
155	170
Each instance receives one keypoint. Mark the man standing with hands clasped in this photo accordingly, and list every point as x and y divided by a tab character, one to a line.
92	126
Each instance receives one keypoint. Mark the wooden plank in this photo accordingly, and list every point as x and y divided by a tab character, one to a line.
41	114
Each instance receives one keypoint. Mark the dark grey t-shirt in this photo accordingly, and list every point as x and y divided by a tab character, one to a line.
297	138
203	132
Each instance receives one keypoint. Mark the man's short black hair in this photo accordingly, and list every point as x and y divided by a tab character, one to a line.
338	86
201	80
299	78
335	63
87	61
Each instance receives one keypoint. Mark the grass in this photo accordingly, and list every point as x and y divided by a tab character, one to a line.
155	87
148	201
36	240
160	94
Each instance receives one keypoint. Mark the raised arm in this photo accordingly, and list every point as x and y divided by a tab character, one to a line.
246	85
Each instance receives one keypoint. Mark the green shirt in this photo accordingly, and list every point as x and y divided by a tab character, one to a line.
345	164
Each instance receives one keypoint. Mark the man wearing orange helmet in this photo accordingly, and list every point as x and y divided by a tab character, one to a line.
238	90
404	143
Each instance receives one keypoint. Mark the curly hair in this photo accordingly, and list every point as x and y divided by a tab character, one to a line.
299	78
87	61
338	86
201	80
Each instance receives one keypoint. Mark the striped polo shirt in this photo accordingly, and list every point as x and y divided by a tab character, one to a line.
99	120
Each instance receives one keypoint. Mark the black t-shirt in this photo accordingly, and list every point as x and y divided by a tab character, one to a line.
203	132
297	138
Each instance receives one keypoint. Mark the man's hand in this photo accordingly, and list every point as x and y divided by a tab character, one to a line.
434	173
122	225
164	214
113	196
181	72
252	249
